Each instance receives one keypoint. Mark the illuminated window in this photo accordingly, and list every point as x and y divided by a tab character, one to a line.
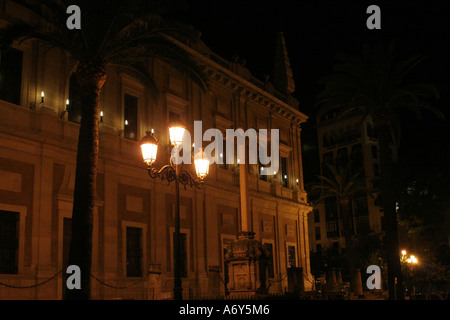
291	257
285	172
74	112
130	116
263	172
223	157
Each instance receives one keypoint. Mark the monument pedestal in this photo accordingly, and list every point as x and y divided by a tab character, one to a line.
247	261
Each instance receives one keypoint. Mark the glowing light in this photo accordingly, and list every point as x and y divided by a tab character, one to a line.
201	165
149	148
176	133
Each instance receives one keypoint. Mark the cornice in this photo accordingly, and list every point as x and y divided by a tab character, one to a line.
245	88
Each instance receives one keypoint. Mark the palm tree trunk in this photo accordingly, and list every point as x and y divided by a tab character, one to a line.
387	190
346	216
91	80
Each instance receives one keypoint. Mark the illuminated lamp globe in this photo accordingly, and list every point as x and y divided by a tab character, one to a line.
201	165
149	148
176	132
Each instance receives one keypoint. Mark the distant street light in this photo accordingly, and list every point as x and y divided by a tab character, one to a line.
410	261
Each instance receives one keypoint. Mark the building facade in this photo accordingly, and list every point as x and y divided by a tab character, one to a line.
134	215
340	140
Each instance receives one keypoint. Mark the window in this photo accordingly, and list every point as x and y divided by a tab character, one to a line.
357	156
316	216
331	209
183	254
318	248
291	256
374	152
285	172
270	268
173	117
9	242
342	157
263	173
318	233
331	217
376	170
134	252
74	112
327	159
360	206
11	75
130	116
223	157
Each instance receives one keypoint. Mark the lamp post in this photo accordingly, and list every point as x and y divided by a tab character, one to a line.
409	263
413	261
173	173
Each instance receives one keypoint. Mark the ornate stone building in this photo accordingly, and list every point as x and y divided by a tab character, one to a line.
134	215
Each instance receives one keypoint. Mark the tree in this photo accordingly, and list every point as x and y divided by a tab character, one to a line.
424	206
377	84
344	183
122	33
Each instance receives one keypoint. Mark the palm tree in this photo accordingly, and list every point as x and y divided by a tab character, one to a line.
377	84
125	33
343	183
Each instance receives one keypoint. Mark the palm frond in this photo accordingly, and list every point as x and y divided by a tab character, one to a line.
376	81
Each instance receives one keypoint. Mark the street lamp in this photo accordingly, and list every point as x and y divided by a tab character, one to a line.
176	133
173	172
409	263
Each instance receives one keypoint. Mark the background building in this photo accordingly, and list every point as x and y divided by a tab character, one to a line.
134	215
351	138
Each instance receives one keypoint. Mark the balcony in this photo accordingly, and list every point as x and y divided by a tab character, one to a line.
333	229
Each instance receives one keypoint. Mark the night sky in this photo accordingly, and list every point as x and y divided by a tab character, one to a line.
315	31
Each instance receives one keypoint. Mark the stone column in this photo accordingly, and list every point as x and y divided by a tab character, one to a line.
357	282
243	181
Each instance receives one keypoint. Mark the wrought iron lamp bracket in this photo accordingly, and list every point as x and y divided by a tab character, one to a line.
169	173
